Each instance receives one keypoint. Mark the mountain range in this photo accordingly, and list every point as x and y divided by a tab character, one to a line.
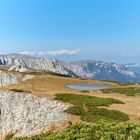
87	69
135	67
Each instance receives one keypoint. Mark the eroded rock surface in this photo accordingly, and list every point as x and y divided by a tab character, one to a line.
25	114
7	78
22	63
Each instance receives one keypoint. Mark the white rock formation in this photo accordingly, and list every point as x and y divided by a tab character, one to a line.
28	62
27	77
7	78
25	114
17	68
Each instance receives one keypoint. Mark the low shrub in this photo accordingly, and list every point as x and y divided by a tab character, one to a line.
19	90
100	131
85	91
89	107
9	136
127	84
123	90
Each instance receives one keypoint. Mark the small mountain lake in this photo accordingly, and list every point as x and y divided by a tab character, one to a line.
87	87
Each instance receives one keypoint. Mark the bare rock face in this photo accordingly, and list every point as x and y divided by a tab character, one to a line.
27	77
7	78
17	68
23	62
25	114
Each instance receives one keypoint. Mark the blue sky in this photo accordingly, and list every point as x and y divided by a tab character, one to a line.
72	29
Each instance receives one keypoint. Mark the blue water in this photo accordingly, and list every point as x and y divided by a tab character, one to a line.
87	87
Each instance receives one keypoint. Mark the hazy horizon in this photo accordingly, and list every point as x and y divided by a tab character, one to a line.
51	57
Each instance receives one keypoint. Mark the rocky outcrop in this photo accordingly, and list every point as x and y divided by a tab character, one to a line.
17	68
27	77
7	78
24	114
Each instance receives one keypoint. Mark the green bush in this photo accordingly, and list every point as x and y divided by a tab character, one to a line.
100	131
19	90
85	91
90	109
123	90
16	90
127	84
9	137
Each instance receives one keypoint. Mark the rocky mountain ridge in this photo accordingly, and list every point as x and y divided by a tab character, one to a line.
100	70
23	62
89	69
